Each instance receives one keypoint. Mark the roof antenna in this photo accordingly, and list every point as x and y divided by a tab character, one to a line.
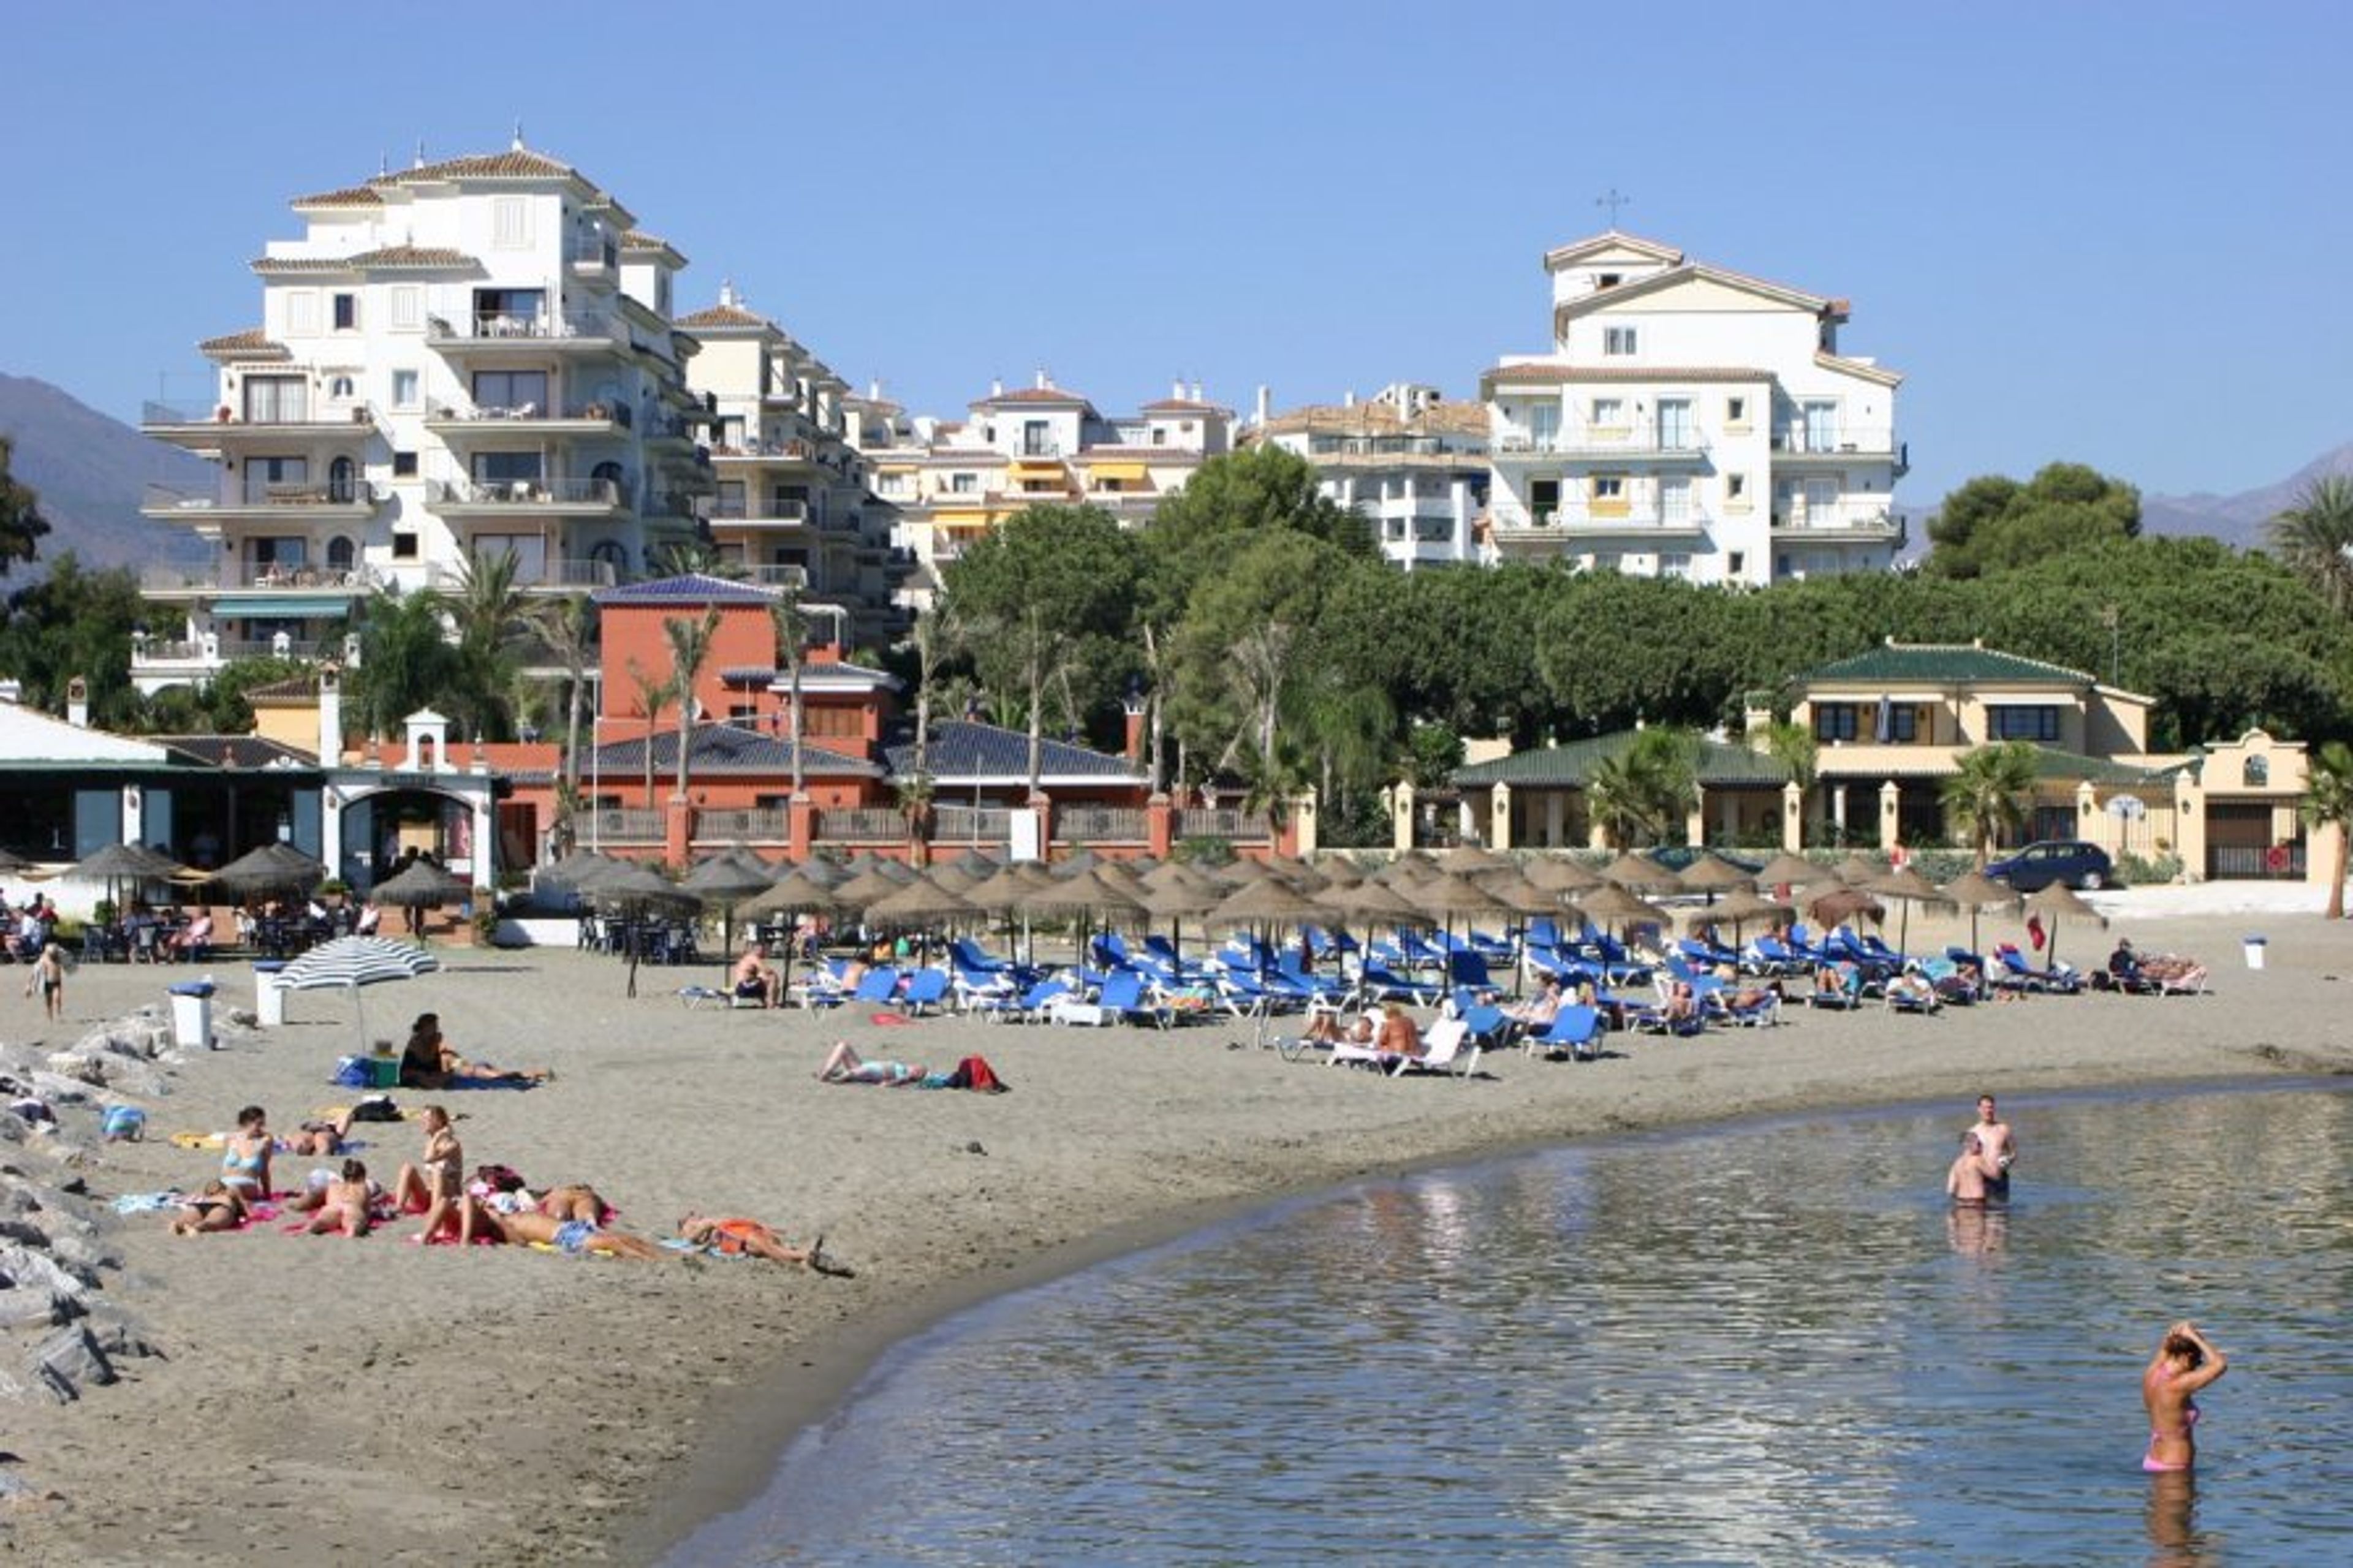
518	134
420	154
382	165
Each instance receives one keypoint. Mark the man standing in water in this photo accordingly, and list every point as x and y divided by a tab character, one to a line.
1999	1145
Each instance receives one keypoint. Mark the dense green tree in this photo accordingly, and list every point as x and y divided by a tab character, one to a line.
70	622
1996	524
1044	600
1988	796
22	526
2314	537
1231	501
2328	803
406	660
219	706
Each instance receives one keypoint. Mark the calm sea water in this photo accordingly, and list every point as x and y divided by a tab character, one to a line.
1767	1344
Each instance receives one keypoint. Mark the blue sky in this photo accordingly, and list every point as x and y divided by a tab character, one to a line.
2116	233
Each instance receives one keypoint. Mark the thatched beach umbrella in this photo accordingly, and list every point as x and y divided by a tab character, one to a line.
2057	899
794	894
1975	891
1788	871
265	871
421	886
1176	901
1859	868
1842	903
1640	874
635	891
1268	904
1710	873
1740	906
1470	859
1615	903
920	905
725	882
1559	874
1913	888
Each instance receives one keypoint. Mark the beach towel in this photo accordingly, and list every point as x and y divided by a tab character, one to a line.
150	1203
889	1020
198	1140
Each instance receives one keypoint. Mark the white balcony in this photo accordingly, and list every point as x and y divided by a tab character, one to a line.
1646	443
340	502
1873	525
492	335
1512	521
456	499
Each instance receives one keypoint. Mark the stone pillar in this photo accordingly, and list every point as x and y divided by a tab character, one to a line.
1891	800
1041	806
1793	818
1695	819
134	807
678	830
2190	826
1401	806
2088	826
1300	831
486	841
331	716
800	826
1556	818
1499	817
1159	826
331	829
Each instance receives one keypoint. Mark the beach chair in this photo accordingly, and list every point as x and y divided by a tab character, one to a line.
1575	1032
876	986
927	990
1124	1000
1844	992
1446	1044
1486	1026
1377	982
821	986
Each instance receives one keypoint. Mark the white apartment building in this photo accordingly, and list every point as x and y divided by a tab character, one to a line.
473	357
1412	462
953	482
791	505
1691	421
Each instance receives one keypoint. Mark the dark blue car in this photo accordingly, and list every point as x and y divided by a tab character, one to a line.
2081	866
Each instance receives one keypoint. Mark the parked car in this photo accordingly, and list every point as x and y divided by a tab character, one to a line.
2070	860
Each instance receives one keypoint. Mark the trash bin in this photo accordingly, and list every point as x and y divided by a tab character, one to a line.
269	1002
192	1014
2255	946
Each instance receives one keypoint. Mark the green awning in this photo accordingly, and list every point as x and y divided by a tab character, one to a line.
281	606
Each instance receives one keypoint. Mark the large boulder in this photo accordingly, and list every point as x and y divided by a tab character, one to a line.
70	1361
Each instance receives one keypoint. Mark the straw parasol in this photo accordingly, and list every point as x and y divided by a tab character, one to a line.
1270	903
1468	859
794	893
1740	906
1616	903
869	887
1640	874
1842	903
2057	899
634	890
1859	868
822	869
1788	871
1975	891
1559	874
421	886
724	880
1175	901
1913	888
921	903
1710	873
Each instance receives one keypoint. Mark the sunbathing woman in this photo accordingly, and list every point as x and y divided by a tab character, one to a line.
317	1139
1325	1029
733	1237
245	1155
574	1236
438	1186
343	1204
844	1065
1398	1035
428	1061
218	1208
575	1201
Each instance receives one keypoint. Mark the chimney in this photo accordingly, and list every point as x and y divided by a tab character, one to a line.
1044	379
1197	392
1264	395
77	703
331	716
874	389
727	292
1133	706
996	387
1348	399
1176	392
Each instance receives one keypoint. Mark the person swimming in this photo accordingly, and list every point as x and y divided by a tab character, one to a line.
2184	1363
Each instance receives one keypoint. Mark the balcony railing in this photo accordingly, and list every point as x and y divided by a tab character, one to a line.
626	823
1197	823
1872	523
1099	825
971	825
861	825
333	417
165	502
753	825
526	492
491	326
212	651
1571	519
777	576
1838	440
1663	442
728	509
262	575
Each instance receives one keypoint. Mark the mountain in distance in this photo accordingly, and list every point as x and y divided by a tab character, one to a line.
90	472
2243	521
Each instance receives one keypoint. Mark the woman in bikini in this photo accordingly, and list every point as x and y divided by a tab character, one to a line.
245	1155
2183	1364
218	1208
429	1061
437	1184
343	1204
734	1237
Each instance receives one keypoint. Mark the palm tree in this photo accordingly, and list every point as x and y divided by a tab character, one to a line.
405	659
690	647
489	613
651	694
1987	794
1796	750
2328	803
1644	791
2316	537
568	626
792	622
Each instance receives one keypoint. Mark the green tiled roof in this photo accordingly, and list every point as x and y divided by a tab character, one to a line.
1941	664
1569	766
2049	763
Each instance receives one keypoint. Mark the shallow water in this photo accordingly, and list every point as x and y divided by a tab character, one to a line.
1768	1343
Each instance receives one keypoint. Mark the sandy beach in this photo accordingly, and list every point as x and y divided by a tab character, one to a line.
319	1399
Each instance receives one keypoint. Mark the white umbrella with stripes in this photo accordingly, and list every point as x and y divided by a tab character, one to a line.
352	963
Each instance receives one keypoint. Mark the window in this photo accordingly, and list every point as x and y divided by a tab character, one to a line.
1608	412
510	391
1543	500
1821	426
1736	411
507	467
265	478
403	465
1676	425
1606	279
340	554
1735	485
1674	499
404	547
508	312
1544	426
1675	563
2023	723
1822	501
963	484
1395	528
1736	563
302	312
1834	720
405	385
343	481
510	222
346	310
1618	341
2257	774
730	500
277	399
1607	494
407	307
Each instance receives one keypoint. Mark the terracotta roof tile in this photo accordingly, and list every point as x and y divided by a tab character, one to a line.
253	342
725	316
1183	405
1564	375
349	197
515	163
1031	394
